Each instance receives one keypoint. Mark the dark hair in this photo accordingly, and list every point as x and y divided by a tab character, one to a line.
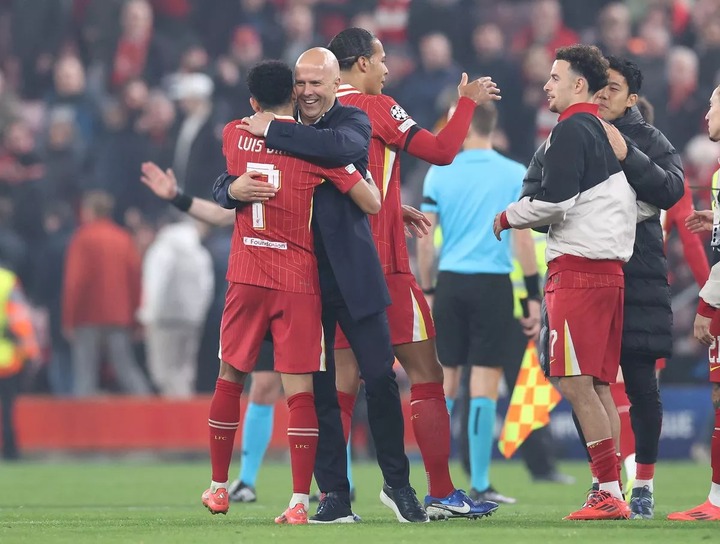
587	61
647	110
629	71
271	83
351	44
484	119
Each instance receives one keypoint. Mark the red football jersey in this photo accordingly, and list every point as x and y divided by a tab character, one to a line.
272	242
390	125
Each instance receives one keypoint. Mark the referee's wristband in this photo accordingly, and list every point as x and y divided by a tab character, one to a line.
181	201
429	291
532	286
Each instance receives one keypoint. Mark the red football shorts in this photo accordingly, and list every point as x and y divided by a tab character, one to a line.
584	300
714	349
292	318
409	314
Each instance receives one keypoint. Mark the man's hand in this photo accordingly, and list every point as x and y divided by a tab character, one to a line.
480	90
699	221
701	330
258	123
163	184
250	188
531	323
497	226
618	143
416	224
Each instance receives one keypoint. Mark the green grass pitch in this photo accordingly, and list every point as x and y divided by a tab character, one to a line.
158	503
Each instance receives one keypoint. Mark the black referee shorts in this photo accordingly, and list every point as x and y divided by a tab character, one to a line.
474	320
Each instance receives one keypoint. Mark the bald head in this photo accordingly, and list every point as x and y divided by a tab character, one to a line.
317	77
320	58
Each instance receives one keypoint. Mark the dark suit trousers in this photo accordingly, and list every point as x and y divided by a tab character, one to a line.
370	340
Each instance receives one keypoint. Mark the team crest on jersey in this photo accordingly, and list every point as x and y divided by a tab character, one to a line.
398	113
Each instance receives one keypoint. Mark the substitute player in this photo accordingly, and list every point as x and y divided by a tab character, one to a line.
274	286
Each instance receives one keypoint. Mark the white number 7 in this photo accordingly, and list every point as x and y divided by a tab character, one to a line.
258	208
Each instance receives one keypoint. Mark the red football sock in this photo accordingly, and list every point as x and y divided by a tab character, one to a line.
431	425
347	405
604	460
715	449
223	420
627	437
644	472
303	438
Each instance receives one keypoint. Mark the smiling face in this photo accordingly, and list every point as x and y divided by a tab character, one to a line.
315	87
713	116
615	97
561	86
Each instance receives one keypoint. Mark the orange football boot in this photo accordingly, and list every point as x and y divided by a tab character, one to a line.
705	512
218	502
601	505
294	515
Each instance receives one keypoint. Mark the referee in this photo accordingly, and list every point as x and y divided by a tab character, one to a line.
473	306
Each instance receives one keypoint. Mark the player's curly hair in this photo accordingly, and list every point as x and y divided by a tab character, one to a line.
270	82
587	61
629	70
351	44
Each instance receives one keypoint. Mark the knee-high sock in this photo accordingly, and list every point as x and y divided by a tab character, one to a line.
605	463
481	426
223	421
714	496
627	437
257	431
431	425
303	438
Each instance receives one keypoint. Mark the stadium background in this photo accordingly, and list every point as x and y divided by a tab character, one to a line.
81	108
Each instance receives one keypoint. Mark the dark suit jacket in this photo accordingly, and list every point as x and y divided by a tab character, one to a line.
344	246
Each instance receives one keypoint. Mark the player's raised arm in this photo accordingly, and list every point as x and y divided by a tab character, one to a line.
164	185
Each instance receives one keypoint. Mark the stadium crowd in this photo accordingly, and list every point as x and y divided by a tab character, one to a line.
91	89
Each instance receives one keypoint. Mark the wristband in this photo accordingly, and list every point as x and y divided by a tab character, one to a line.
429	291
181	201
532	286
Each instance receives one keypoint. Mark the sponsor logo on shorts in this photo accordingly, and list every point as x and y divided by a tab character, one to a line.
257	242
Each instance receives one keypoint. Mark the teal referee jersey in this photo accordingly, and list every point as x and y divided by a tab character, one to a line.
467	195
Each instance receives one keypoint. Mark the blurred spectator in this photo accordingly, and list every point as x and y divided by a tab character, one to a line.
177	291
686	102
614	29
101	294
122	149
64	158
300	34
47	288
22	175
546	28
650	51
391	18
491	59
232	95
445	17
157	120
421	90
39	29
70	92
18	345
708	49
137	52
197	158
261	16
